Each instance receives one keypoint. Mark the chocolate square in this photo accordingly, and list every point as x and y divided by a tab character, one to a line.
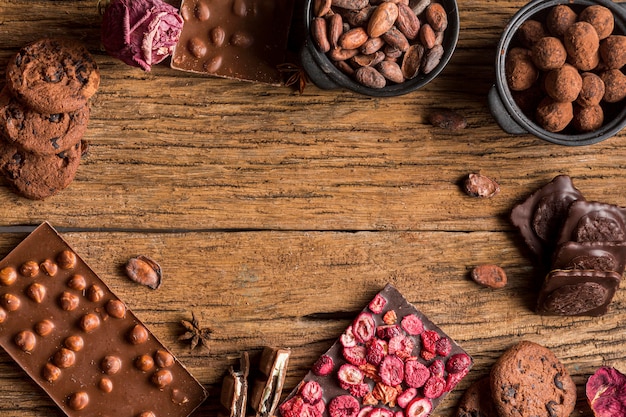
392	357
577	292
79	342
239	39
594	222
601	256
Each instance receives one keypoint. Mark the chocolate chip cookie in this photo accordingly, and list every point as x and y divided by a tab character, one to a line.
528	380
37	176
53	76
45	134
477	401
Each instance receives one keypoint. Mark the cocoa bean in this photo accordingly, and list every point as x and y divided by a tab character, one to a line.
350	4
372	45
339	54
419	6
432	59
396	39
407	21
391	71
371	60
335	29
382	19
319	35
491	276
321	7
436	16
353	39
412	61
369	77
344	67
452	120
358	17
392	52
427	36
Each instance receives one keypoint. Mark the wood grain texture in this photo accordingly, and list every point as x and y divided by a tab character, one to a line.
276	216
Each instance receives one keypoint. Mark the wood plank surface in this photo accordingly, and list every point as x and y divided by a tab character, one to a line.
277	215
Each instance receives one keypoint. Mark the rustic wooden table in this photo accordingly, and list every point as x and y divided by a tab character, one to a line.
276	216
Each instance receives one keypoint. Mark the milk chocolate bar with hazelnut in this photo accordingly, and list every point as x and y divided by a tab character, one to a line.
80	343
391	357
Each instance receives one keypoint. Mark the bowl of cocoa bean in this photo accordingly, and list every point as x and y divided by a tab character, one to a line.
379	48
560	71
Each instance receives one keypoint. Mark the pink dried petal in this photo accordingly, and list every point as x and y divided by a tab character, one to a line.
606	392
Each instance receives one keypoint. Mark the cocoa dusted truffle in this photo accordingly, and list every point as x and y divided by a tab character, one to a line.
554	116
582	44
559	19
600	18
521	73
613	51
615	85
563	84
530	32
588	119
548	53
592	90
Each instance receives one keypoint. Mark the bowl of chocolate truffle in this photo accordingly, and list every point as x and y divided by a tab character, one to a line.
560	71
378	48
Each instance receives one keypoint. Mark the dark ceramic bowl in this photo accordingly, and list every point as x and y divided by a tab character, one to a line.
325	75
504	109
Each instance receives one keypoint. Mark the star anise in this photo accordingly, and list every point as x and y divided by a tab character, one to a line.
296	75
195	333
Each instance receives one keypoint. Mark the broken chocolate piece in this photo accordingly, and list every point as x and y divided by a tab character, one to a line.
577	292
594	222
601	256
235	388
267	389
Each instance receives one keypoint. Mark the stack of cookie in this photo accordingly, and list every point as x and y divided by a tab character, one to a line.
580	244
44	112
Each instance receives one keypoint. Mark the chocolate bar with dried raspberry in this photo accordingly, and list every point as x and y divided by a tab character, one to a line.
391	358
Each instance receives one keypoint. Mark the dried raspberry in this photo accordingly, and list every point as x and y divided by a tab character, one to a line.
387	332
412	324
296	407
377	304
427	356
391	370
376	350
401	346
443	346
347	338
419	407
359	390
436	368
320	406
407	395
434	387
605	392
355	355
363	327
344	406
415	373
349	374
380	412
454	378
365	411
429	338
323	366
398	413
311	392
458	363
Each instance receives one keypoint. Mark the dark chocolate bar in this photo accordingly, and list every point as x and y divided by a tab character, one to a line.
577	292
601	256
239	39
80	343
540	217
391	358
594	222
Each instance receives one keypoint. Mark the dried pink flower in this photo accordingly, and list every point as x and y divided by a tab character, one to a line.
141	33
606	392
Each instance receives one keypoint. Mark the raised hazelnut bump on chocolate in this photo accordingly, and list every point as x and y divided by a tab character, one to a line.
10	302
137	335
77	282
29	269
144	363
64	358
94	293
74	343
116	308
8	275
89	322
105	384
36	292
162	378
68	301
66	259
3	315
49	267
78	401
25	340
163	359
111	364
44	327
50	372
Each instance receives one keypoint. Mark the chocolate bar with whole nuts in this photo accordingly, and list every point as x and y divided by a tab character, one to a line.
80	343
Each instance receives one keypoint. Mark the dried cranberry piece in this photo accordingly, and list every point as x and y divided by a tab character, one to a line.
606	392
454	378
406	396
296	407
419	407
437	368
347	338
434	387
386	332
377	304
323	366
415	373
364	327
443	346
412	324
380	412
391	370
344	406
401	346
458	363
376	350
311	392
349	374
359	390
429	339
355	355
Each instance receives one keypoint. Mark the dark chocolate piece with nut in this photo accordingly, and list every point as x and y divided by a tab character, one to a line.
594	222
234	397
577	292
80	343
268	386
601	256
540	217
